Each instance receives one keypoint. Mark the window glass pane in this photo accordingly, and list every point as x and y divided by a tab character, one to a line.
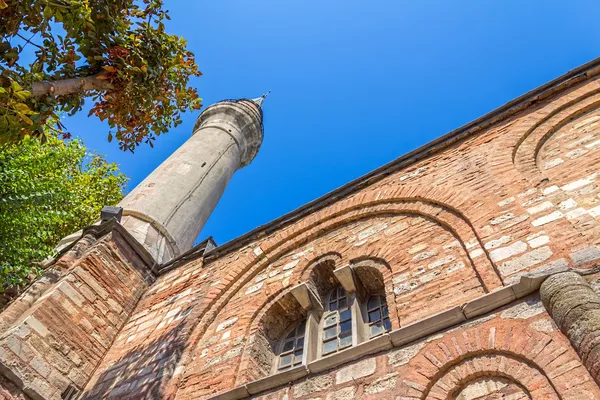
285	361
346	326
333	306
290	335
331	319
301	327
385	311
330	346
345	315
300	343
374	315
330	333
345	341
343	303
298	357
373	302
387	324
287	346
376	329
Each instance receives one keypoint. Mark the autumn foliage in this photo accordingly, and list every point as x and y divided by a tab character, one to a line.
54	54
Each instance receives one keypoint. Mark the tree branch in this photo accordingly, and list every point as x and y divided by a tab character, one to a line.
29	41
69	86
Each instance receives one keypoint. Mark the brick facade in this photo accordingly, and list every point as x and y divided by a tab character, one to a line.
445	235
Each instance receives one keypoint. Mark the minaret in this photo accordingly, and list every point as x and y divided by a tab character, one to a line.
168	209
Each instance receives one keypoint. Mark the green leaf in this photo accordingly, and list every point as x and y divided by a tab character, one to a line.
48	12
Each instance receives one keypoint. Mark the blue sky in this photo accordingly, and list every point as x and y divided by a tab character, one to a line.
355	84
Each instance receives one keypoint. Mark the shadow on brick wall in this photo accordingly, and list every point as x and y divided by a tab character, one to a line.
142	372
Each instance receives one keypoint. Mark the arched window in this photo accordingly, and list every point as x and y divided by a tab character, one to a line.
378	316
337	324
291	353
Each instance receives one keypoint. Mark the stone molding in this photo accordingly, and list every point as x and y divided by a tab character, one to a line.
154	223
527	285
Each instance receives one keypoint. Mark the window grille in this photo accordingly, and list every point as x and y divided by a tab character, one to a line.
70	393
292	348
337	326
378	316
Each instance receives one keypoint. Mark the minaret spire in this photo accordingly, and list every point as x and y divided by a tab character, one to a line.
259	100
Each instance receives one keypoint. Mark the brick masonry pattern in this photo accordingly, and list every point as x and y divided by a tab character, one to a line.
518	197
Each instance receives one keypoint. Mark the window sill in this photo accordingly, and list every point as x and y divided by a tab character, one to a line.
397	338
278	379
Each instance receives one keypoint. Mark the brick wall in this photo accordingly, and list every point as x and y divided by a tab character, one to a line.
516	351
518	197
60	340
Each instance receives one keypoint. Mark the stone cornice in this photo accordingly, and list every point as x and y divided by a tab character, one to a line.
527	285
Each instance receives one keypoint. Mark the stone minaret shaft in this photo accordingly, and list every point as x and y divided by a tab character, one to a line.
167	210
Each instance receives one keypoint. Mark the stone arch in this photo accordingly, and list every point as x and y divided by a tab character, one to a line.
497	386
527	377
405	199
513	157
501	347
525	154
318	272
375	275
268	324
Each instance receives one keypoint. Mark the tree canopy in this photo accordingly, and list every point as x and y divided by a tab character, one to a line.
55	53
48	191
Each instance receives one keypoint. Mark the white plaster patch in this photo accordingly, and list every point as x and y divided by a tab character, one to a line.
553	163
226	324
302	253
290	265
441	261
567	204
401	278
398	227
471	243
524	310
506	202
540	207
579	183
594	212
372	230
417	248
550	190
576	213
502	218
586	121
258	251
575	153
254	288
425	255
492	244
539	241
529	192
412	174
503	253
476	253
547	218
526	260
585	255
455	267
593	145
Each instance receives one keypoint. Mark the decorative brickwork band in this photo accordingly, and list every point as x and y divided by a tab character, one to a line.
575	307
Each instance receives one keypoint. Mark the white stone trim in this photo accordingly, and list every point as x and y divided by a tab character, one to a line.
397	338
